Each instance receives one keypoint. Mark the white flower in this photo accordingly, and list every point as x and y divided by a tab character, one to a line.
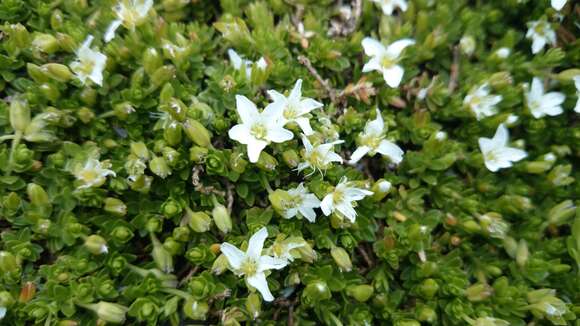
558	4
294	107
496	154
2	312
282	249
258	129
481	102
319	157
130	13
341	199
89	64
577	84
541	34
93	173
372	140
503	53
542	104
467	44
245	65
388	6
385	59
303	203
252	264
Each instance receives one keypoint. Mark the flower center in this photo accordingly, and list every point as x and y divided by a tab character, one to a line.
88	176
259	131
388	62
338	196
371	141
85	66
290	112
540	29
249	267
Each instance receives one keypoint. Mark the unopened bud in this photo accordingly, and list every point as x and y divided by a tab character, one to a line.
254	305
19	114
152	60
109	312
197	133
198	221
380	189
266	162
429	288
522	253
291	158
96	245
478	292
115	206
361	293
161	256
195	309
8	262
220	265
559	214
58	72
158	165
222	218
341	258
45	43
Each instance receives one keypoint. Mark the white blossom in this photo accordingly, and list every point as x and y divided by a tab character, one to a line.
558	4
541	34
93	173
129	13
385	59
542	104
503	53
252	264
89	63
577	84
258	129
294	107
481	103
372	140
319	157
341	199
302	202
388	6
496	153
2	312
245	65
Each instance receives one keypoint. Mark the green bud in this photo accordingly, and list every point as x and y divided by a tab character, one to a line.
361	293
198	221
568	74
45	43
67	323
166	94
88	96
171	208
279	200
471	226
96	245
9	263
19	35
173	246
522	253
6	299
341	258
197	154
195	309
172	133
142	184
181	233
58	72
19	114
315	292
199	255
511	246
37	195
428	288
478	292
11	203
381	189
407	322
560	175
500	79
108	312
266	162
237	162
197	133
489	321
162	75
426	314
560	268
152	61
220	265
561	213
86	115
221	218
115	206
291	158
36	73
122	234
140	150
123	110
161	256
159	167
254	305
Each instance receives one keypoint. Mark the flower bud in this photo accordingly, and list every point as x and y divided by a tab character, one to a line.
172	133
426	314
254	305
108	312
181	233
9	263
361	293
478	292
152	61
158	165
6	301
58	72
291	158
195	309
27	292
279	200
407	322
161	256
37	195
559	214
115	206
510	245
560	175
428	288
171	208
467	45
197	133
237	162
266	162
198	221
341	258
142	184
489	321
19	114
19	35
220	265
222	218
315	292
199	255
45	43
144	309
140	150
380	189
122	234
162	75
500	79
522	253
11	203
197	154
96	245
36	73
173	246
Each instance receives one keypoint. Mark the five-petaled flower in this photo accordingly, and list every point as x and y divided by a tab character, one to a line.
385	59
130	13
372	140
388	6
318	157
496	153
481	102
301	202
258	129
252	264
89	64
541	104
93	173
541	34
294	107
341	199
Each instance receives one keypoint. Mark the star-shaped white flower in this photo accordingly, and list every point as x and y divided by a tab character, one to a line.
130	13
342	198
319	157
303	203
93	173
540	33
496	153
372	140
388	6
258	129
89	63
385	59
245	65
542	104
558	4
282	249
481	102
294	107
577	84
252	264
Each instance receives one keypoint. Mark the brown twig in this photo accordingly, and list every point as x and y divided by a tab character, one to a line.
230	196
454	75
188	276
329	90
198	186
365	256
291	315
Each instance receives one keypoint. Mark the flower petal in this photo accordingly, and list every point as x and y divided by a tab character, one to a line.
393	75
279	134
327	205
256	243
259	282
110	33
246	109
296	93
304	124
235	59
266	263
373	47
240	133
373	64
308	104
255	147
359	153
395	49
391	150
501	136
558	4
347	210
234	255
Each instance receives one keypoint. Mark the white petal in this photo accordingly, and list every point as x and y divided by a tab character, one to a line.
373	47
308	104
373	64
347	210
377	126
110	33
255	147
2	312
387	8
537	89
307	144
259	282
353	194
538	44
256	243
234	255
391	150
485	145
240	133
513	154
235	59
327	205
267	263
304	124
279	134
402	4
577	107
246	109
296	93
395	49
310	200
308	213
274	111
277	96
493	166
144	7
558	4
393	75
359	153
501	136
262	64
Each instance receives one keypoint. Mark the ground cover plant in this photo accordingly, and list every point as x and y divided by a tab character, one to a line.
292	162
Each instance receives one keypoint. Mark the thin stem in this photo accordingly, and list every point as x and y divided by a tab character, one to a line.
266	184
15	143
6	137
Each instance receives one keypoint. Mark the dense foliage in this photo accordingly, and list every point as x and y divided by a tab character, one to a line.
134	163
